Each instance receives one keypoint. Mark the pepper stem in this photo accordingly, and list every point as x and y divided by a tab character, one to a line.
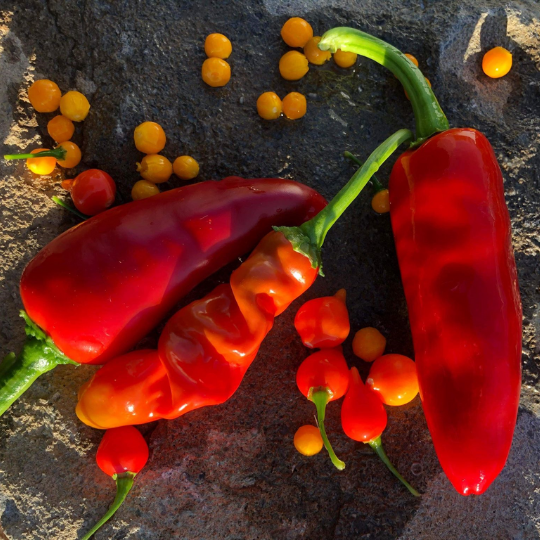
59	153
309	237
39	355
124	483
321	396
61	203
376	444
377	186
428	114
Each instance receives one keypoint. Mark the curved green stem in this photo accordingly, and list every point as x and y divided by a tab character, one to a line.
309	237
321	397
124	483
377	186
61	203
18	373
376	444
59	153
428	114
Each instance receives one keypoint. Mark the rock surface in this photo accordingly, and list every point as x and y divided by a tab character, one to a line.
231	472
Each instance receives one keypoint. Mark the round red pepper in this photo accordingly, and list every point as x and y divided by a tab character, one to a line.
93	191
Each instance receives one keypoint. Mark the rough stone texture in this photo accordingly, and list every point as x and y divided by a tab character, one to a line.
231	472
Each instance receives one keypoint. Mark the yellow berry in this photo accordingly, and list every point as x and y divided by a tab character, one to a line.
293	65
497	62
185	167
412	59
155	168
149	138
41	166
308	440
368	344
74	106
44	95
217	46
216	72
269	106
294	105
381	202
345	59
314	54
143	189
296	32
73	155
60	128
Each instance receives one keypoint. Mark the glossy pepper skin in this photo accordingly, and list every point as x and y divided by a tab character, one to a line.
452	234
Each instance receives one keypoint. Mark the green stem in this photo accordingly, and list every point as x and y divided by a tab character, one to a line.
124	483
376	444
61	203
309	237
59	153
377	186
18	373
428	114
321	397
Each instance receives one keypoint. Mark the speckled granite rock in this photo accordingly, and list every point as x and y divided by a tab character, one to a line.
231	472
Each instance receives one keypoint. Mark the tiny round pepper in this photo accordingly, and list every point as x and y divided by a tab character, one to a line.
497	62
93	191
296	32
368	344
72	156
269	106
149	138
308	440
44	95
217	46
143	189
60	128
216	72
185	167
122	454
381	201
314	54
294	105
293	65
74	106
155	168
345	59
43	165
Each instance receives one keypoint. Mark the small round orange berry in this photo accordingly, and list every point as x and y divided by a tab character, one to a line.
217	46
294	105
143	189
43	165
412	59
497	62
308	440
314	54
74	106
185	167
149	138
293	66
296	32
73	155
345	59
216	72
381	202
44	95
60	128
155	168
368	344
269	106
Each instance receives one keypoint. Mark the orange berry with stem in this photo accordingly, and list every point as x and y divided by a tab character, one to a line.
185	167
314	54
74	106
412	59
217	46
294	105
269	106
72	156
293	65
308	440
296	32
155	168
381	202
394	378
143	189
60	128
345	59
149	138
497	62
368	344
43	165
216	72
44	95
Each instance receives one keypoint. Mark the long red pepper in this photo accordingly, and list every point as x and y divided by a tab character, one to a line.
206	348
453	239
97	289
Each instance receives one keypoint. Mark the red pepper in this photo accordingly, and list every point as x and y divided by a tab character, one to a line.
453	239
122	454
206	348
97	289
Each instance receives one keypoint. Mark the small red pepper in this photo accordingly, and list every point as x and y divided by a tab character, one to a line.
100	287
323	377
363	419
323	322
122	454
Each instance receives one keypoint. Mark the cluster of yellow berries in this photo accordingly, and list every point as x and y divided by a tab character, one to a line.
216	71
155	169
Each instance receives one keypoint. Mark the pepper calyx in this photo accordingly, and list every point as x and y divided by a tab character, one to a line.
302	243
